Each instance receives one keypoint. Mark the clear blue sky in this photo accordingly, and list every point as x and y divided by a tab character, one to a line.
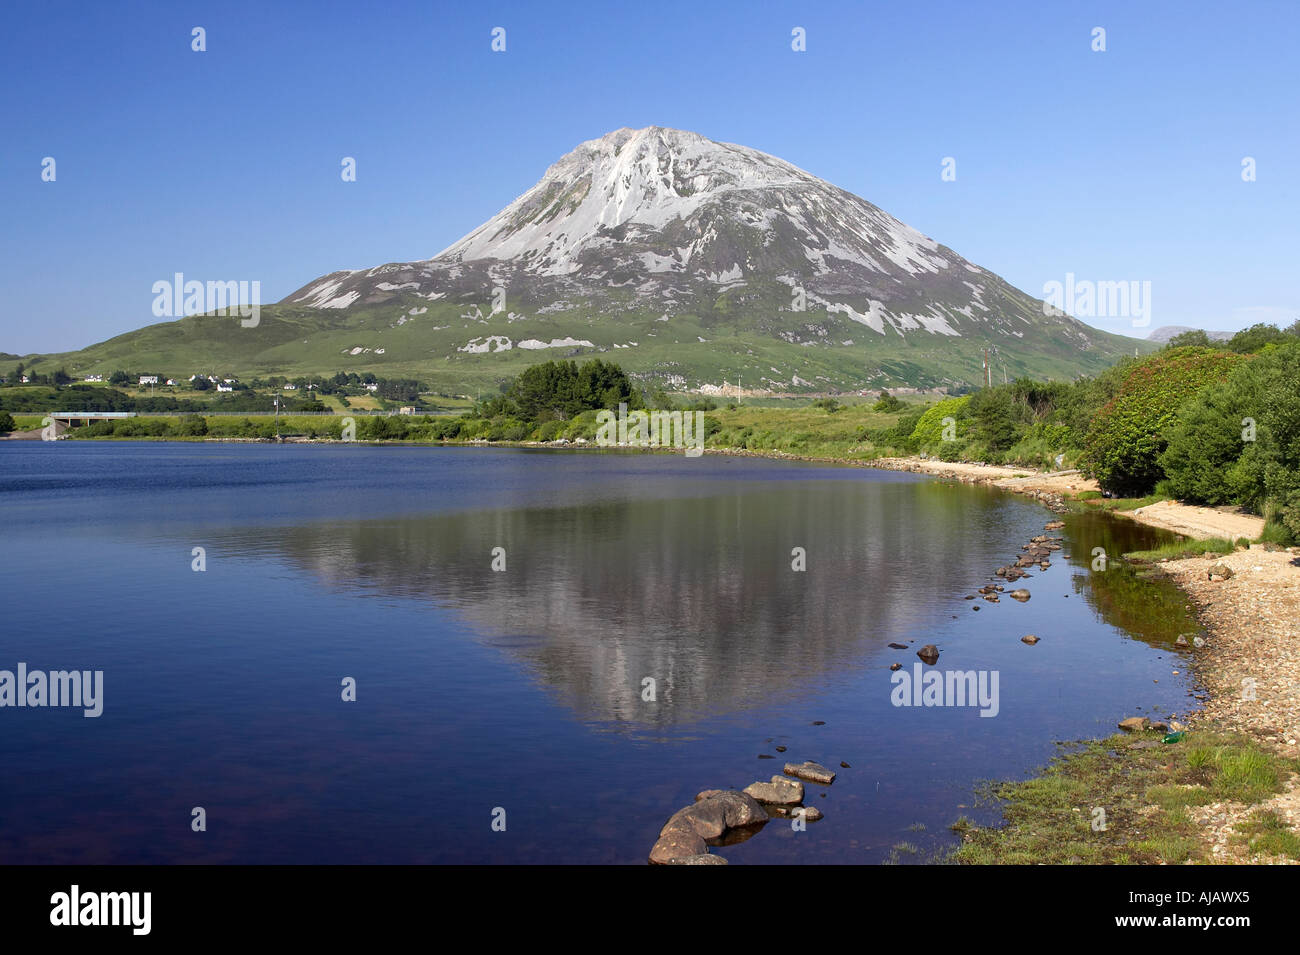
1122	165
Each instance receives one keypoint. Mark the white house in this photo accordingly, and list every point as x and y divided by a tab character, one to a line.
93	378
222	386
290	387
372	386
148	379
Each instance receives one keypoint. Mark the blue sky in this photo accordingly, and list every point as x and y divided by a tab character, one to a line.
1122	165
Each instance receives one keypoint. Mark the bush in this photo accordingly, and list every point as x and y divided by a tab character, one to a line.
192	426
928	435
6	422
1124	444
549	431
382	428
1257	337
1211	457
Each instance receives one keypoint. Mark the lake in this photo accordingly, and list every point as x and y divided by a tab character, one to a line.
523	688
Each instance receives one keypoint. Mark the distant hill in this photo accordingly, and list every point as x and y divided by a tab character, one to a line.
689	262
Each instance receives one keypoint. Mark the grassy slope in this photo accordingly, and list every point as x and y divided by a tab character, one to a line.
294	340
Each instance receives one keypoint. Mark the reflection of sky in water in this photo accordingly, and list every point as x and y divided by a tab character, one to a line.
522	689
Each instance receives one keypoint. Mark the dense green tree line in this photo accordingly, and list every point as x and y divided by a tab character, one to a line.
1206	425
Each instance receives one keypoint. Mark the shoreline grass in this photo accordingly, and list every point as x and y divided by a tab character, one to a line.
1125	799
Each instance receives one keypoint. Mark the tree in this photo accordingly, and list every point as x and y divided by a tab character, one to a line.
6	422
1193	337
119	377
887	402
1123	446
997	417
559	390
1239	441
1251	340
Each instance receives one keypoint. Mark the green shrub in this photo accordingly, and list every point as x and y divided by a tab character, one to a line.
1123	446
887	403
550	430
928	435
1238	441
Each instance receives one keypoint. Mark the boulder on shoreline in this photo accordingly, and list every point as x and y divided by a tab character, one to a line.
929	653
1219	572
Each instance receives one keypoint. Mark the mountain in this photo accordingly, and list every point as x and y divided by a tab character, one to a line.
691	263
1166	332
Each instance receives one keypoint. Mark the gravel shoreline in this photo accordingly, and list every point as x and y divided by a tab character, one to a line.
1251	666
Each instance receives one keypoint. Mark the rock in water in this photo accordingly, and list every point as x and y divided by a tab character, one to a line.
929	654
779	792
1029	638
740	810
708	818
813	772
1022	595
677	844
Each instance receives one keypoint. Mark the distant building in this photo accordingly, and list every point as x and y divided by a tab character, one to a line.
372	386
93	378
222	386
170	381
290	387
406	409
148	379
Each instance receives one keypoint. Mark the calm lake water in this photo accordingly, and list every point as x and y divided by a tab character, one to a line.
522	689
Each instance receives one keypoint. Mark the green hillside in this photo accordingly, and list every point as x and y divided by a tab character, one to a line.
726	346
